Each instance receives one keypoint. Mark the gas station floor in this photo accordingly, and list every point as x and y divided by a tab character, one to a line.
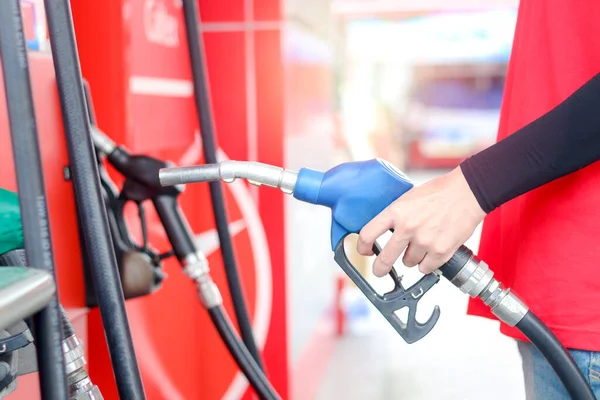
463	358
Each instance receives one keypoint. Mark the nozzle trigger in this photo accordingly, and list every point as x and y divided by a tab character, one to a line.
397	299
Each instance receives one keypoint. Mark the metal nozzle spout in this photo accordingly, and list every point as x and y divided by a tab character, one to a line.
228	171
101	141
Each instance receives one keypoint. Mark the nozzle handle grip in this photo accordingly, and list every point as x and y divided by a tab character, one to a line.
175	225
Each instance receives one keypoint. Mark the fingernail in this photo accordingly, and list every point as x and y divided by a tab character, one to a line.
379	270
364	250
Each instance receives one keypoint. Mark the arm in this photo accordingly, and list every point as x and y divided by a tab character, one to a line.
432	221
560	142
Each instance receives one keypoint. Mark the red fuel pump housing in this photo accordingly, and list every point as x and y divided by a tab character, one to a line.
134	55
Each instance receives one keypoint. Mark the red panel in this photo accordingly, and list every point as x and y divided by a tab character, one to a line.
267	10
158	46
103	64
158	42
270	121
225	55
222	10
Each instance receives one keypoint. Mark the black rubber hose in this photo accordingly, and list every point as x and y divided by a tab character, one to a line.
257	379
66	323
209	147
175	225
91	111
558	357
32	199
90	205
456	263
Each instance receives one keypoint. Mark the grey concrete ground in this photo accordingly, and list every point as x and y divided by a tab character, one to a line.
463	358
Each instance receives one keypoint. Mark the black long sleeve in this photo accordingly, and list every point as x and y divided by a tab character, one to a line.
560	142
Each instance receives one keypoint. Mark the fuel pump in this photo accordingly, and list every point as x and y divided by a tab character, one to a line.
142	184
356	192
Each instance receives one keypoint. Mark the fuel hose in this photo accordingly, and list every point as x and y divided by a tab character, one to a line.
242	357
209	147
33	202
474	277
558	357
96	240
180	236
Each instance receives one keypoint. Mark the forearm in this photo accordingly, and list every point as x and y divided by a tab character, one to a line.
560	142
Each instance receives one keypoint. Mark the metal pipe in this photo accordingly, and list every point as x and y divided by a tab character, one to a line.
90	206
32	199
102	142
254	172
209	147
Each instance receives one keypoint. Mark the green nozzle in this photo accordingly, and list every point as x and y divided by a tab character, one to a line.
11	228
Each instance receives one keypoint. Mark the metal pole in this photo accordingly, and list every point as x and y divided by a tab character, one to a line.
32	196
90	205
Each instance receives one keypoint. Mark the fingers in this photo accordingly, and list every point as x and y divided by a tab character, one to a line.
414	255
370	232
388	256
437	257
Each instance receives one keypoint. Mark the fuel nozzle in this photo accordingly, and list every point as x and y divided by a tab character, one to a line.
254	172
355	192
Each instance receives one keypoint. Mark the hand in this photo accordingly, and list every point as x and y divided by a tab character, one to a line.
430	221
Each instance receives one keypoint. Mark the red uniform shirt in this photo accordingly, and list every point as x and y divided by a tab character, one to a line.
545	244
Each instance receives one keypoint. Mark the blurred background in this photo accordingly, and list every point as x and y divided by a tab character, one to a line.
418	83
298	83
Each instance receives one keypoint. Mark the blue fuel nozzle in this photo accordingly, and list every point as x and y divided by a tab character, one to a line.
355	191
